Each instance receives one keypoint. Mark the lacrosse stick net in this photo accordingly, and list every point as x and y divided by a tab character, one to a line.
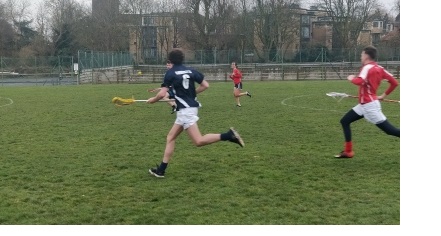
341	96
118	101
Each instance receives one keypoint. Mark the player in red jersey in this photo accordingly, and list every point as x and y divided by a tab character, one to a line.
369	107
237	79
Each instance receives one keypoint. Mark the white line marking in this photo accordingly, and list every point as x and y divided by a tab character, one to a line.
10	102
309	108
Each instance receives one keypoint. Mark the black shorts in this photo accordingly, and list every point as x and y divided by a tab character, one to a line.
238	86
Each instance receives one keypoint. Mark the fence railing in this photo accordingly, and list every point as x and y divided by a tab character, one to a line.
120	67
215	56
52	70
95	60
251	72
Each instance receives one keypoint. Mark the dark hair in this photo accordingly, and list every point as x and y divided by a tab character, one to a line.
235	63
176	56
371	51
168	62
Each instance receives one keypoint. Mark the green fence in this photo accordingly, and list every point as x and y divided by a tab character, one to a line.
305	55
109	67
97	60
58	70
52	70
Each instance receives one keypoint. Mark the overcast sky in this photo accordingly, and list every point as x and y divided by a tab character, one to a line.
388	4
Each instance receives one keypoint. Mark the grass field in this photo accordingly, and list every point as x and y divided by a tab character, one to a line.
70	157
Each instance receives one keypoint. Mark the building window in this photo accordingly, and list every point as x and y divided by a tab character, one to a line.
146	21
378	24
305	19
375	38
389	27
151	53
305	32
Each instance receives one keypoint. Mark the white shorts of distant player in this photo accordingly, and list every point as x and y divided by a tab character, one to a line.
371	112
186	117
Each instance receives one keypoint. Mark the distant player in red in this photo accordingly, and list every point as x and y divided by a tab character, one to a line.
236	76
369	107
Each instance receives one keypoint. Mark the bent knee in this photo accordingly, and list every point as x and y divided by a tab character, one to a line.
343	121
170	138
198	143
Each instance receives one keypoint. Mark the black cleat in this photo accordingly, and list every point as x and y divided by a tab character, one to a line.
238	105
235	137
248	94
156	172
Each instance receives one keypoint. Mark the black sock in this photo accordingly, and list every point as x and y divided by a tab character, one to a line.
226	136
162	167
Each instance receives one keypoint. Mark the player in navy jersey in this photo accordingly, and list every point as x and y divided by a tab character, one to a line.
182	79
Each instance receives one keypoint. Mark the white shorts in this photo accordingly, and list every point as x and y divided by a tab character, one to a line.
371	112
187	117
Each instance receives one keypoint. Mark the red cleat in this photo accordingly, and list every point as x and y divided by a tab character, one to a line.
344	154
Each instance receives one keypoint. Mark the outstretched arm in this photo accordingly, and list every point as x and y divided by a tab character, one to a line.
160	95
154	90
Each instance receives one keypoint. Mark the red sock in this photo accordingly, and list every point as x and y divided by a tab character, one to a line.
348	147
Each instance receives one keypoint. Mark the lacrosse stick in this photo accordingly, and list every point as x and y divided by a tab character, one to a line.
128	101
336	95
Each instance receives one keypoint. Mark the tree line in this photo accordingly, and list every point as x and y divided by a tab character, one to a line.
63	27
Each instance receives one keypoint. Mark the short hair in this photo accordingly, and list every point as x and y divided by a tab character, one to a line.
176	56
235	63
371	51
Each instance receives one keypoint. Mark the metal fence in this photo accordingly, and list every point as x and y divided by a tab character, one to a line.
256	71
58	70
96	60
320	54
119	67
55	70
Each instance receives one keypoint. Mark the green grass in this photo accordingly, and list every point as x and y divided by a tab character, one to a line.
70	157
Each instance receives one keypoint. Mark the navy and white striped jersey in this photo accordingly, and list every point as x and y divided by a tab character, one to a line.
182	81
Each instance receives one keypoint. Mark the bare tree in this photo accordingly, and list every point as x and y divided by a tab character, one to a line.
64	18
166	23
243	27
7	33
136	6
202	19
17	14
42	20
276	27
396	7
6	38
348	18
212	25
17	10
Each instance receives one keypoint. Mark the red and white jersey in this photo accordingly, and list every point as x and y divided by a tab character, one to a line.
369	80
236	76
